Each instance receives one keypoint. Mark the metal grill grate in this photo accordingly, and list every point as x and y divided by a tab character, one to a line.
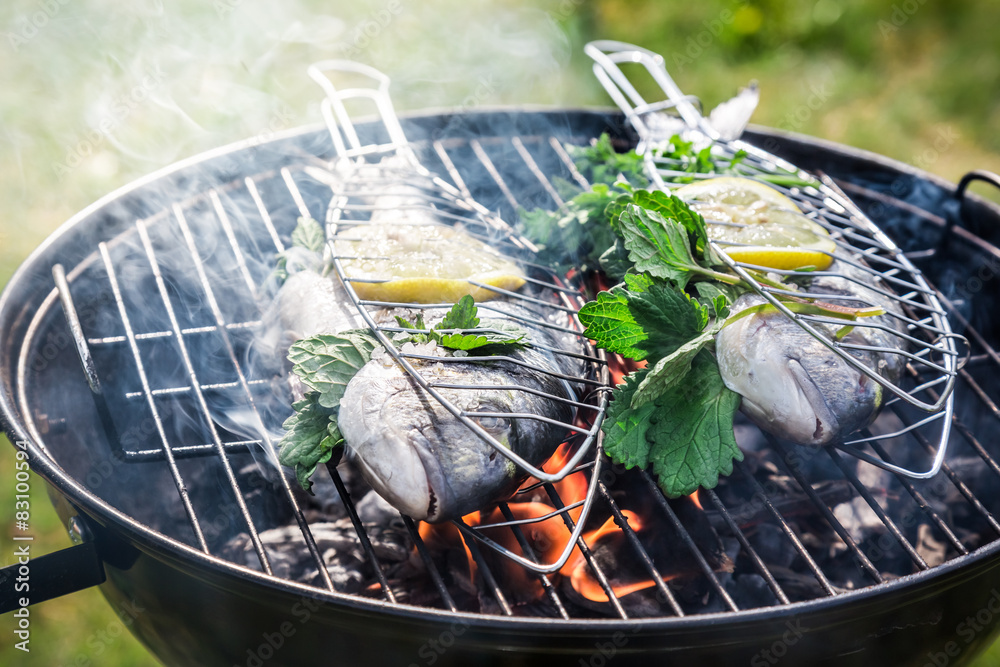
780	487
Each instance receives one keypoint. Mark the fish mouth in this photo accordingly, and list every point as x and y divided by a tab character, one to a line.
401	468
806	417
823	421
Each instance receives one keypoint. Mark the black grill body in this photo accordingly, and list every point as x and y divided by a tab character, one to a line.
197	609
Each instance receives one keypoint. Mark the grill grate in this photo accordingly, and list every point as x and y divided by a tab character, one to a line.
263	206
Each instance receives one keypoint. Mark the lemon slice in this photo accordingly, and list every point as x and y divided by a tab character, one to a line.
756	224
735	191
783	258
422	264
776	246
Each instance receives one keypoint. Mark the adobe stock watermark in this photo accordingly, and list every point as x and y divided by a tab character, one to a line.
945	139
100	641
361	36
698	42
901	14
565	10
966	632
487	86
272	642
22	545
432	649
778	649
121	108
793	121
606	650
28	27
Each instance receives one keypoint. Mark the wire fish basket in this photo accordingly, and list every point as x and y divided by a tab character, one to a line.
922	336
379	184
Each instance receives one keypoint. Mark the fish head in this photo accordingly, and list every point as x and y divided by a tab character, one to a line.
792	385
419	456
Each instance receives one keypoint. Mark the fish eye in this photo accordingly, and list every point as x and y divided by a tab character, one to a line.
493	423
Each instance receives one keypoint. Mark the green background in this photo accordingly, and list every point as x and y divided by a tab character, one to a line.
95	93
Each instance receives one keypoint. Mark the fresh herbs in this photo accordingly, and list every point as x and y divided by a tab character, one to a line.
675	415
460	330
683	157
308	241
599	163
309	234
578	233
325	364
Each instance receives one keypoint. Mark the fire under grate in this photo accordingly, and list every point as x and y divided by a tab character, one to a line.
791	524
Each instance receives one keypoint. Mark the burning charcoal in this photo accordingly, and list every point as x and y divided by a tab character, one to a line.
338	544
801	586
930	549
624	569
374	509
859	519
772	545
750	591
786	496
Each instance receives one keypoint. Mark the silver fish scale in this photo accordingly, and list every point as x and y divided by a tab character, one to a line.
923	337
372	183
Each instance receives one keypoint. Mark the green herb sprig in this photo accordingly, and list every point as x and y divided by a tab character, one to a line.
326	363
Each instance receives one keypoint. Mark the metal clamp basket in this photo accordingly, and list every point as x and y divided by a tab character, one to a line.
928	346
351	207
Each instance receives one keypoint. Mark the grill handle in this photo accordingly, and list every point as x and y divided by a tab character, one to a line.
36	579
963	186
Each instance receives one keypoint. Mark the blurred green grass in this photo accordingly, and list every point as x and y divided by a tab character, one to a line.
919	86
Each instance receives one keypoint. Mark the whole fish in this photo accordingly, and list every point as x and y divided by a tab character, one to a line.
795	387
427	463
409	448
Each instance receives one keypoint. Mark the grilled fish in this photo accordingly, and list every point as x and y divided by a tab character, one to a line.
795	387
416	454
426	462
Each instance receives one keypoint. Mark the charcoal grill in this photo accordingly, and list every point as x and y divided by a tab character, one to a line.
853	597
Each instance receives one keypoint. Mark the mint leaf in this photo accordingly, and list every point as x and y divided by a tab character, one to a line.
310	438
638	282
676	209
686	434
461	316
611	325
669	371
327	362
309	234
691	431
417	324
600	163
738	157
718	296
578	233
504	334
418	337
669	318
657	245
614	261
460	330
625	427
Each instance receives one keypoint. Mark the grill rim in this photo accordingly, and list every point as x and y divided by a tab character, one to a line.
166	549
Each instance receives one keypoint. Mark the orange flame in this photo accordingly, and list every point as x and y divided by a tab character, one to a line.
696	499
549	537
581	576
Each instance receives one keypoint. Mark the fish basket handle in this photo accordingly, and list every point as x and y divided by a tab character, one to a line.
609	55
338	119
